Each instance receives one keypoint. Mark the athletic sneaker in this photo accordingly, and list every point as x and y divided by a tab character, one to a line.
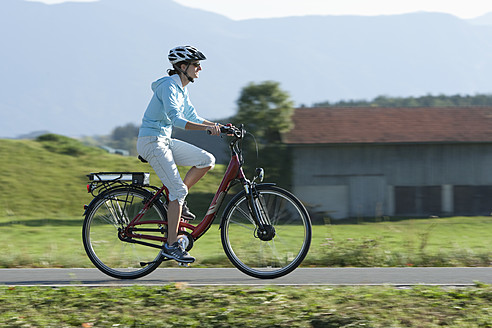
177	252
186	214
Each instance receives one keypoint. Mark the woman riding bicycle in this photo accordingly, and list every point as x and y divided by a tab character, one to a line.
170	107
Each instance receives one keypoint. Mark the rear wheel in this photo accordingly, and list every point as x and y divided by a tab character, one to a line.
280	246
107	217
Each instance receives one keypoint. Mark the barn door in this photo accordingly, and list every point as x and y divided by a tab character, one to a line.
367	196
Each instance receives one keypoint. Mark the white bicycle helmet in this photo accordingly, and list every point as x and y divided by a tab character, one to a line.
186	54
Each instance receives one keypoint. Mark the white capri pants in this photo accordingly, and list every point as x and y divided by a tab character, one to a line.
165	154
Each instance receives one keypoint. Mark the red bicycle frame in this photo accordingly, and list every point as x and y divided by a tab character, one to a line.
234	171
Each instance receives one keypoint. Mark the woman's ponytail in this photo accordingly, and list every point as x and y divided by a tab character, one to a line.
175	70
172	71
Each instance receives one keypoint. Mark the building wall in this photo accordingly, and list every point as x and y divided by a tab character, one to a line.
375	180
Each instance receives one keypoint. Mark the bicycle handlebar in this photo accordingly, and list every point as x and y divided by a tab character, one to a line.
231	130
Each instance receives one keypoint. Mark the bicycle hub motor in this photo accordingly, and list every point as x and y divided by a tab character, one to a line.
267	233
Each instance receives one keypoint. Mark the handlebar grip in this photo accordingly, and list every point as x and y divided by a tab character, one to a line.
227	129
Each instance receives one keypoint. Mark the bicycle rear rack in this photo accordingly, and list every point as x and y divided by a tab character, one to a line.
103	181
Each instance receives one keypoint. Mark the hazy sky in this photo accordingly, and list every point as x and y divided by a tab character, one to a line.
244	9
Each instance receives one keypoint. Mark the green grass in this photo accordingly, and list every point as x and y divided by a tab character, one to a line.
458	241
47	178
44	189
43	193
181	306
41	204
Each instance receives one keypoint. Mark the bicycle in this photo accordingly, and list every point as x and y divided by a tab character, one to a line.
265	230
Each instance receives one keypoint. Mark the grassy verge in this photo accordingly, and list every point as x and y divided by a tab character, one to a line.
43	193
458	241
180	306
46	178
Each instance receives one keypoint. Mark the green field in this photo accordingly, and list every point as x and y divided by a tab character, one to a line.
180	306
458	241
47	179
43	190
42	195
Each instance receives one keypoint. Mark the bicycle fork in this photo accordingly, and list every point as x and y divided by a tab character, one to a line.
258	211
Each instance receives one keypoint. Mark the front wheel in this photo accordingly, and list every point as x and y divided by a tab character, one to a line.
280	246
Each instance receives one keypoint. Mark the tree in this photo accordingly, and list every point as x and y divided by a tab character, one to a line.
121	133
266	111
124	137
423	101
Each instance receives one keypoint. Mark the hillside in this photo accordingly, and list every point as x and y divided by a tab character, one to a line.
47	179
84	68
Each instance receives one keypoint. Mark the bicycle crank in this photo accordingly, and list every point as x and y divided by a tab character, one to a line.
185	240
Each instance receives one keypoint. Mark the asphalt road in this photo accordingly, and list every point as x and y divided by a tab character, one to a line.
231	276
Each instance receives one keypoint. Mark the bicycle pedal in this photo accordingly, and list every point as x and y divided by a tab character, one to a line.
183	264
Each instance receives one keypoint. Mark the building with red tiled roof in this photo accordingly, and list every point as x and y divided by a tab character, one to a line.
351	162
390	125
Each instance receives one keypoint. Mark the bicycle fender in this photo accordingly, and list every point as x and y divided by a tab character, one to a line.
86	207
266	184
102	194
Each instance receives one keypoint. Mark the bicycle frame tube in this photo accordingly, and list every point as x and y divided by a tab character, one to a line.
234	171
148	205
136	222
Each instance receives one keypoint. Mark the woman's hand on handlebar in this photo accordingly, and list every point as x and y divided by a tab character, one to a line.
213	129
228	129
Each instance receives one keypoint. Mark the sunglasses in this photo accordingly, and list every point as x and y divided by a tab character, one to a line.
196	64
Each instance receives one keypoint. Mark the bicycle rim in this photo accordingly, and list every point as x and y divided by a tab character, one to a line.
289	239
113	211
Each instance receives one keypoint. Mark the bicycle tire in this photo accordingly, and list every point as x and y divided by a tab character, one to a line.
111	211
289	244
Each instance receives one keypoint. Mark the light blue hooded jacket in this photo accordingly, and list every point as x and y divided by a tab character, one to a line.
170	106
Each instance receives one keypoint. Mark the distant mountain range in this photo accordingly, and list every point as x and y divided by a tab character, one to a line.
85	68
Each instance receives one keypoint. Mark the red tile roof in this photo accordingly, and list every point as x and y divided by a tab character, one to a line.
390	125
